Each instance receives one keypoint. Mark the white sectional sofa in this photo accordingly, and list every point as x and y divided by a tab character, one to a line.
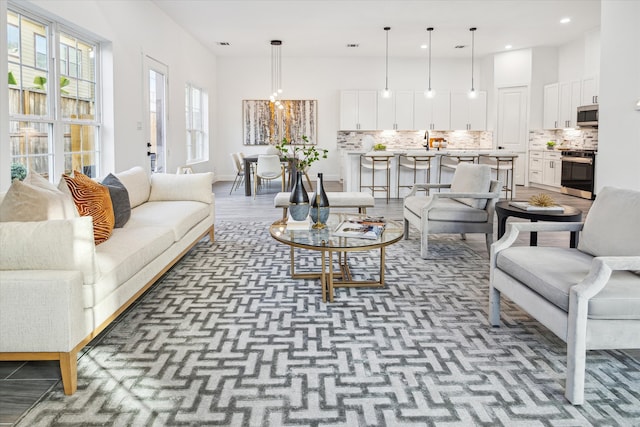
59	290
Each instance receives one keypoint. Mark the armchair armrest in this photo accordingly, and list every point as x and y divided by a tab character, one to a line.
600	272
514	229
417	187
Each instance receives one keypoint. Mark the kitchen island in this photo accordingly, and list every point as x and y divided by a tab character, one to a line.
437	158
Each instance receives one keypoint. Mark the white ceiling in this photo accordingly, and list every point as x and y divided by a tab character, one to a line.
318	28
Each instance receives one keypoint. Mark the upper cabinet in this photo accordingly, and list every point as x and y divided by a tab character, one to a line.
569	101
431	113
551	103
396	112
358	109
589	90
468	113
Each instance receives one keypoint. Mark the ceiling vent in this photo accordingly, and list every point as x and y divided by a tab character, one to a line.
224	44
353	45
460	46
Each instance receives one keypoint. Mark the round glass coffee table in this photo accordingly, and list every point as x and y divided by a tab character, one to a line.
327	243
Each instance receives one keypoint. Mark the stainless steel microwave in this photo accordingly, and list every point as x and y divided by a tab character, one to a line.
588	116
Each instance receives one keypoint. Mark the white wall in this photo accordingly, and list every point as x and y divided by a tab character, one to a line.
320	79
131	29
619	131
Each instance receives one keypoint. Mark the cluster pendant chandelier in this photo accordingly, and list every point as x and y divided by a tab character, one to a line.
276	73
472	92
386	93
429	93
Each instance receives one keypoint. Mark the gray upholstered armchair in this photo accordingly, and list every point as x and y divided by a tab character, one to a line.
467	208
588	296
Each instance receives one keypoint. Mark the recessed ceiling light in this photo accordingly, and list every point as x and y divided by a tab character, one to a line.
565	20
508	46
423	46
353	45
224	44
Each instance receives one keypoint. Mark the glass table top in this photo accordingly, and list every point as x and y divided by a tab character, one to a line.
320	238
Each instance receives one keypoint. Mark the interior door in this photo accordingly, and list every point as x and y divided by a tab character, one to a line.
155	94
512	126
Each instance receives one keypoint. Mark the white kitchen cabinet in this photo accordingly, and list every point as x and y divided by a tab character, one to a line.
431	113
535	167
551	104
590	85
468	113
551	168
358	109
570	99
396	112
545	167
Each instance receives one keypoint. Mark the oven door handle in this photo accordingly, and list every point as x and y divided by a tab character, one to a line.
577	160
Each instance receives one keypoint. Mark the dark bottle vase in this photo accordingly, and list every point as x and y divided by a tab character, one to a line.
299	200
319	204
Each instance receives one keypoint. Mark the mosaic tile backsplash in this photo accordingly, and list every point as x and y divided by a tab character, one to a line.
456	140
565	138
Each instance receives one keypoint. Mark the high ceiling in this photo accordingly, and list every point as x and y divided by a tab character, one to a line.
318	28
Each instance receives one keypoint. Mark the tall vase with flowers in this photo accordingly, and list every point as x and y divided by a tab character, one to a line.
302	156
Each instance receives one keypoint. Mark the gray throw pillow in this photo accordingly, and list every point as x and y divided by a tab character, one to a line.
119	199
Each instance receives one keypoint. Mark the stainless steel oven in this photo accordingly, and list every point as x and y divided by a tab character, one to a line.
578	168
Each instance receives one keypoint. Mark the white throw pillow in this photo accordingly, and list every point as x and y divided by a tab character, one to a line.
136	181
195	186
612	227
472	178
36	199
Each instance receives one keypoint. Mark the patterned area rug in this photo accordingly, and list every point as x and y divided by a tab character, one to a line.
227	338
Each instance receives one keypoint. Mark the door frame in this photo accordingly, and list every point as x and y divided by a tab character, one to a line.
151	64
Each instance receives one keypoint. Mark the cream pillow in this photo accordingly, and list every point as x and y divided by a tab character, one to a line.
195	186
136	181
36	199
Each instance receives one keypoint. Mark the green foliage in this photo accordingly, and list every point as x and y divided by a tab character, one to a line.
18	171
12	79
40	81
303	155
379	147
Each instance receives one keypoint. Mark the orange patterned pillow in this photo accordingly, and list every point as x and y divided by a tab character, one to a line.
92	199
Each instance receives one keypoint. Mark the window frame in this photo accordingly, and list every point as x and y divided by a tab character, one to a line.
197	137
56	124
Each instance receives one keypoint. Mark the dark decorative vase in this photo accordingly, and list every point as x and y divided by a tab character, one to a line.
319	205
299	200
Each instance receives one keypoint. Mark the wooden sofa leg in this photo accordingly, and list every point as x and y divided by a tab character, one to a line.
69	371
211	234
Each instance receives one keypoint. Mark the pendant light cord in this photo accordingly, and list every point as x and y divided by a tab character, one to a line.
386	79
473	39
430	29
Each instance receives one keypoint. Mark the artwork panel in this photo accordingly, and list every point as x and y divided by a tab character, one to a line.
263	123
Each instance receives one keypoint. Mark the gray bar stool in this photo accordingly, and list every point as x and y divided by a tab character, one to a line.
502	163
377	161
415	162
451	162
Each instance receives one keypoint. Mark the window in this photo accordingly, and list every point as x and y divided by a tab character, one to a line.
53	129
40	51
196	103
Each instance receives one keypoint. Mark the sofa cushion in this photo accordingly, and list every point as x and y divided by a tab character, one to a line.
195	186
123	255
65	244
612	227
92	199
179	216
551	272
119	200
471	178
445	209
35	199
137	183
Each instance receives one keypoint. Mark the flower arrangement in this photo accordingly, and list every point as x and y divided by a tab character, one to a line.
303	155
551	144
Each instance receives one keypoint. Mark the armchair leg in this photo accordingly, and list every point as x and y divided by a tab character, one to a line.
489	242
576	351
494	307
406	229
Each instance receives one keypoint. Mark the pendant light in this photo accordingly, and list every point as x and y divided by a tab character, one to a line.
276	73
386	93
472	92
429	93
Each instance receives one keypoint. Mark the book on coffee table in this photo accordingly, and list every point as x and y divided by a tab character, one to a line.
359	229
292	224
529	207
